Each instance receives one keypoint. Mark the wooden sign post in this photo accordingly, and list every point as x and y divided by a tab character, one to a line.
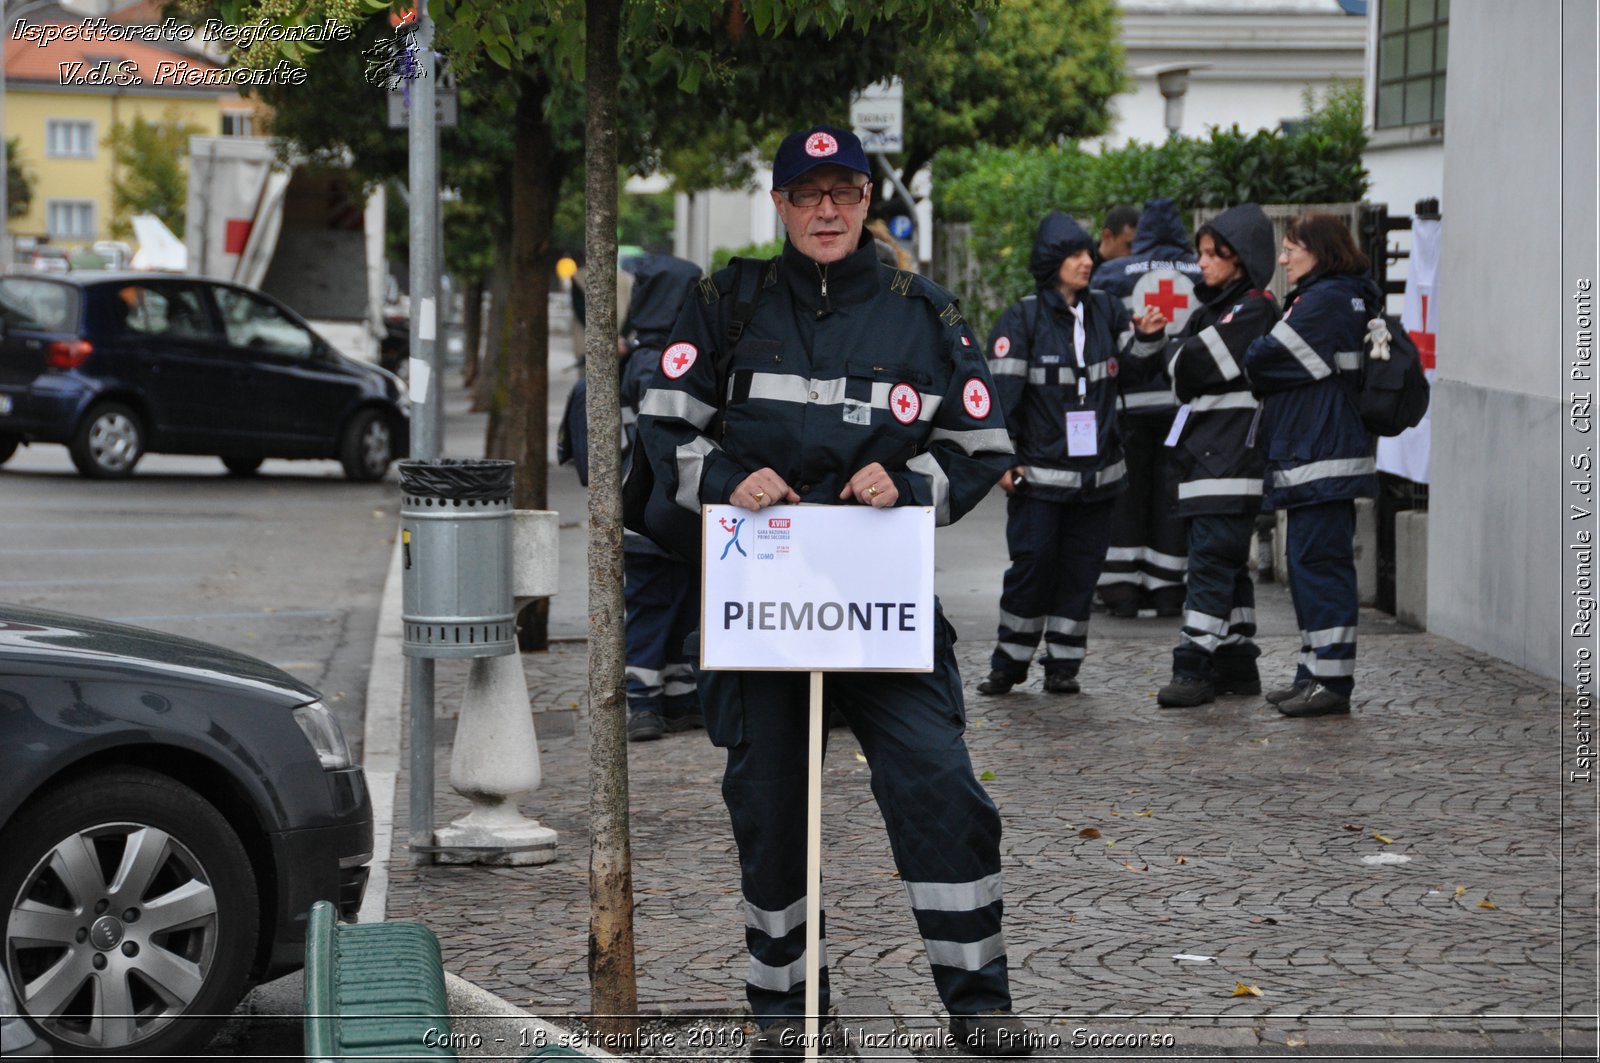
817	589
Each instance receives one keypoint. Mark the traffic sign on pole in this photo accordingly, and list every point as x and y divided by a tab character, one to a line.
876	116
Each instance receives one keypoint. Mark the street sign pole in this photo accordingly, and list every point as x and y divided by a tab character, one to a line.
424	386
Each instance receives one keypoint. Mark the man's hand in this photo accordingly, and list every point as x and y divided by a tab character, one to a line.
1151	322
760	489
1011	480
871	486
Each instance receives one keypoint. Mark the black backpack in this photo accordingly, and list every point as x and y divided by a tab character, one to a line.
1393	393
645	507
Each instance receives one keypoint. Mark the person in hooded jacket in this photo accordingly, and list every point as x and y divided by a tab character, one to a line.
660	592
1145	563
1319	456
1220	470
1059	367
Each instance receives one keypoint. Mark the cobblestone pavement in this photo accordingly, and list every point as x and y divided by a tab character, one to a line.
1226	832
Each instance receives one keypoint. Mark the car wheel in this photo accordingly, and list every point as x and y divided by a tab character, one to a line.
108	443
241	466
8	447
131	915
367	447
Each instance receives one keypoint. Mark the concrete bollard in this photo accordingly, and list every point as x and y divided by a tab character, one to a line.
496	753
1411	567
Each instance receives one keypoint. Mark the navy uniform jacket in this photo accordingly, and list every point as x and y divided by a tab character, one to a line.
1036	380
841	366
1221	469
1307	371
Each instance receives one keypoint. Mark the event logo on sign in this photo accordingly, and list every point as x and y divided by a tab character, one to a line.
733	528
1170	292
905	402
678	359
975	398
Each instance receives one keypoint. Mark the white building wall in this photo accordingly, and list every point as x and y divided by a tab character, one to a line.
1496	521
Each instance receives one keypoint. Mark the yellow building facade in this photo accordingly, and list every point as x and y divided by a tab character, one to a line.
62	126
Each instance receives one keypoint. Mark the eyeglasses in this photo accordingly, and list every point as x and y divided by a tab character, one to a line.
842	195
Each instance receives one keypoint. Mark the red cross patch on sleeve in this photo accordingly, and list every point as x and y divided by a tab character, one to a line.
678	359
975	398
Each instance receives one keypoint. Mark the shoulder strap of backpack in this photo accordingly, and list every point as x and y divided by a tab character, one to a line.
748	274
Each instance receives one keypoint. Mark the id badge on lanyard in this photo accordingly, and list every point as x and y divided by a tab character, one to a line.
1083	434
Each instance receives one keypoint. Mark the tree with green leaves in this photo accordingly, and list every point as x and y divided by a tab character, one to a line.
19	183
1037	72
151	162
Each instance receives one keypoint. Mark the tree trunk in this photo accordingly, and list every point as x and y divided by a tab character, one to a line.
472	312
613	990
489	395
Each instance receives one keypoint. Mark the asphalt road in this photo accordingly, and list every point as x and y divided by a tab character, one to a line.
287	565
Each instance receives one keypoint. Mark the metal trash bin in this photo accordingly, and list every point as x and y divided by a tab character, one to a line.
455	534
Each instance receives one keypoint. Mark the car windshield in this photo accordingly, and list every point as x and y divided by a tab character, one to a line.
46	306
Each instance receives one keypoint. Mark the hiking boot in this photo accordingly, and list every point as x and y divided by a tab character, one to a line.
998	683
1060	683
1283	694
645	726
1315	700
786	1040
993	1033
688	720
1185	692
1238	684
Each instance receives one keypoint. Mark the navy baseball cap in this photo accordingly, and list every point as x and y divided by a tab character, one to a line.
821	145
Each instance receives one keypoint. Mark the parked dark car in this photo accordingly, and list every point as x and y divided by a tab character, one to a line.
169	811
117	364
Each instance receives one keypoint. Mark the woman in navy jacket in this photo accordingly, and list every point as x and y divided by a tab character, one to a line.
1319	458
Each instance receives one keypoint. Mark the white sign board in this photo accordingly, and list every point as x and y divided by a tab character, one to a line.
876	116
817	588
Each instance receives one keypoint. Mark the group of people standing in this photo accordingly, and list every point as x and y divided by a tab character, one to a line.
793	406
1267	420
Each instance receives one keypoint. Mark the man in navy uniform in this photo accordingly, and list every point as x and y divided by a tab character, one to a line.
852	383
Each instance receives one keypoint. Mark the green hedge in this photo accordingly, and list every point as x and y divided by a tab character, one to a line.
1004	192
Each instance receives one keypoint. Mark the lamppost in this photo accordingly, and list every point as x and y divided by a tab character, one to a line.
1173	81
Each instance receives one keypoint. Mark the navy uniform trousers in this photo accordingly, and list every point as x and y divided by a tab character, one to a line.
1320	550
943	828
663	608
1219	611
1057	550
1145	562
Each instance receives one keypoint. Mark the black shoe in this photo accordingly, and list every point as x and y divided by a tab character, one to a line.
994	1033
1060	683
1185	692
690	720
786	1040
1315	700
645	726
1238	684
998	683
1283	694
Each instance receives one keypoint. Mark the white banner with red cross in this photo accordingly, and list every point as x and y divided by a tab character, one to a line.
1407	453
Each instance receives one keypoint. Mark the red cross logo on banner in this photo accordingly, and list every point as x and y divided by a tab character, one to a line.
904	403
821	144
678	359
1425	338
1168	291
975	398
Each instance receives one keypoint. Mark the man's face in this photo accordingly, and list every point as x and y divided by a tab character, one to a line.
826	231
1116	245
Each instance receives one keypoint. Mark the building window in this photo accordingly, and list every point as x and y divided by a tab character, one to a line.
69	138
238	124
71	219
1413	39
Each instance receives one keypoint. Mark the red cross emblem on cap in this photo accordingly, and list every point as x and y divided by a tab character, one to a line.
678	359
820	144
904	403
975	398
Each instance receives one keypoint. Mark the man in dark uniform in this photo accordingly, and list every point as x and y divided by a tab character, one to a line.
662	593
1145	563
852	384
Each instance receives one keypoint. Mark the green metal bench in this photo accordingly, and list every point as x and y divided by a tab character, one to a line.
375	991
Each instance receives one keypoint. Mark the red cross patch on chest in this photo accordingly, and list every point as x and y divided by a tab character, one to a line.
905	402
